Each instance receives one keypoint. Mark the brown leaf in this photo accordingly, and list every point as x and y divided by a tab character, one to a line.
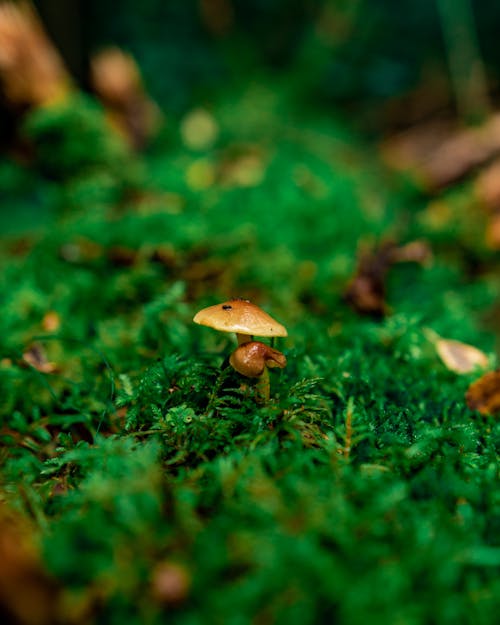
460	357
35	357
366	291
483	395
406	150
440	155
366	294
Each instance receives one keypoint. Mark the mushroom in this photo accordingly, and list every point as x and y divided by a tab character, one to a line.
242	317
252	359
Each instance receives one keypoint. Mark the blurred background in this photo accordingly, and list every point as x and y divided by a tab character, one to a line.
253	72
385	63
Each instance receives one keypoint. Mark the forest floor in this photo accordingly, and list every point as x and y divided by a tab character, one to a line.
142	479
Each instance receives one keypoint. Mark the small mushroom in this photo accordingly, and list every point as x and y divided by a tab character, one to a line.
252	359
242	317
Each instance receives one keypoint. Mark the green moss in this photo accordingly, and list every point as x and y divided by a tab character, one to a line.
364	492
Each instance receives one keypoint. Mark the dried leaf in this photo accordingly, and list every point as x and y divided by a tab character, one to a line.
462	152
406	150
366	291
35	357
439	155
483	395
460	357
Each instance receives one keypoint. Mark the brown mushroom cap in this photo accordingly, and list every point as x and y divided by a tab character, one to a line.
240	316
250	359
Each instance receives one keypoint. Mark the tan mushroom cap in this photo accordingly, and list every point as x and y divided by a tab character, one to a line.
240	316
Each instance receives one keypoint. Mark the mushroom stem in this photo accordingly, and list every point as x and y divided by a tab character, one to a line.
244	338
263	387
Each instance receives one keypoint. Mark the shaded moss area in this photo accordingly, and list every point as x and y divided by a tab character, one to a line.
157	490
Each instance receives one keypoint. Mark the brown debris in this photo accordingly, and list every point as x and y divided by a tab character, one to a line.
483	395
36	357
117	82
439	154
32	73
463	152
366	291
406	150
